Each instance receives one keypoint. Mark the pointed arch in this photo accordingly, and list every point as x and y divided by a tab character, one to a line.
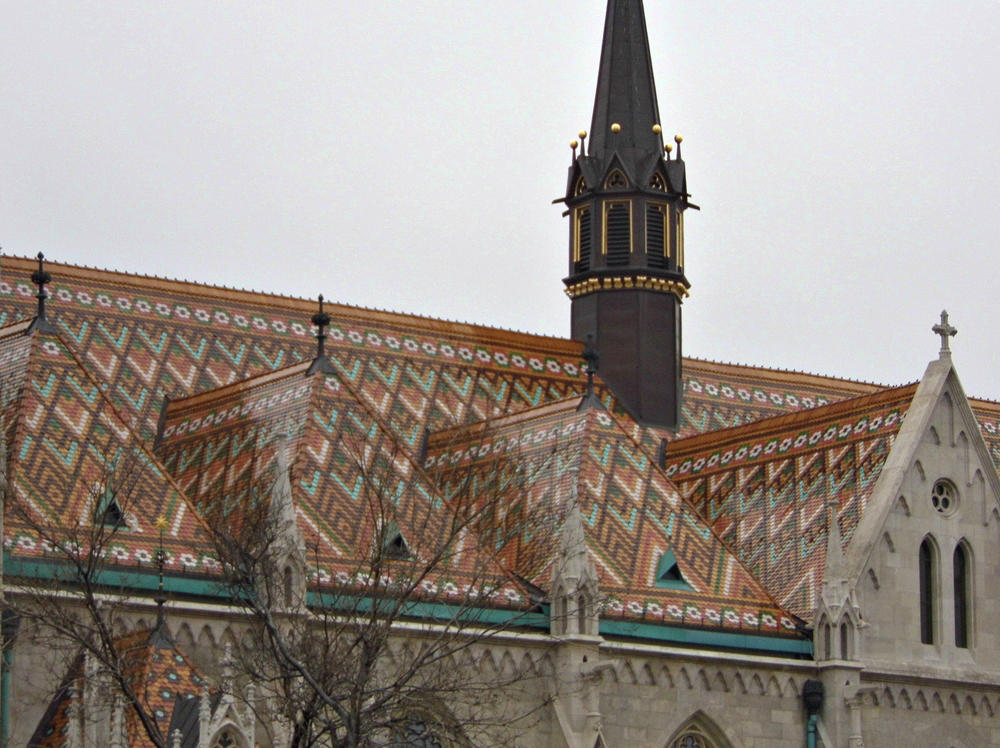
699	731
229	736
962	578
928	565
616	180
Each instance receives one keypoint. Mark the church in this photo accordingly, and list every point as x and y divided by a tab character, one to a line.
592	541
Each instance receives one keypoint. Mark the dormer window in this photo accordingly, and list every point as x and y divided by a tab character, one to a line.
394	545
657	182
669	574
109	514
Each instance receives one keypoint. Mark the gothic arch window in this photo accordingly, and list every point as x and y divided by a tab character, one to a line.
962	569
657	182
927	563
228	737
580	186
699	732
616	181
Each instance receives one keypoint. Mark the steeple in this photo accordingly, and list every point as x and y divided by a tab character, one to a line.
626	92
626	197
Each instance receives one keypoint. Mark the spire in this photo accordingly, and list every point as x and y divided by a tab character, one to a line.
626	200
626	92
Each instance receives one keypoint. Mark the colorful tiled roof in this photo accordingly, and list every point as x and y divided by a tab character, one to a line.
764	486
69	450
632	516
161	676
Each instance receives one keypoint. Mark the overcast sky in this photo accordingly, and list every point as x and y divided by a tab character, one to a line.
404	156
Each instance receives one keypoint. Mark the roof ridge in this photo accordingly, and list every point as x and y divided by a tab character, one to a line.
787	372
253	297
783	421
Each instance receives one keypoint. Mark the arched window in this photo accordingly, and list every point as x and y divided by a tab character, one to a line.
927	591
289	587
699	732
960	565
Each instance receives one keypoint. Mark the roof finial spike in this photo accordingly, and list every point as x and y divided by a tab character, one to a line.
678	139
161	558
574	144
322	320
583	142
40	277
590	356
945	330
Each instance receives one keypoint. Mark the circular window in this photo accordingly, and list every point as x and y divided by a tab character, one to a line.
944	497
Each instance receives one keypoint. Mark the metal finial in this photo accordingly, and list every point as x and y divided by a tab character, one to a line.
40	277
591	357
583	142
946	331
678	139
322	320
161	558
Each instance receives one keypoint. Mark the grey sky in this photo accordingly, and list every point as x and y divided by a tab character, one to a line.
404	156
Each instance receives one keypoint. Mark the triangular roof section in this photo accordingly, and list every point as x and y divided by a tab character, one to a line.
632	516
764	486
162	676
69	453
940	386
353	480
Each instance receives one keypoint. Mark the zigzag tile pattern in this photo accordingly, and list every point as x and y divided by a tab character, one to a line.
764	488
349	474
631	514
67	448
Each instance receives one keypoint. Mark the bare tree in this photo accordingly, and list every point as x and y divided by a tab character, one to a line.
383	652
71	605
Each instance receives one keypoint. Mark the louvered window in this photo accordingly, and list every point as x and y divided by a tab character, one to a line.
617	233
680	240
583	240
657	235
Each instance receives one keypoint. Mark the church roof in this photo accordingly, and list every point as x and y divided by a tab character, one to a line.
764	486
757	452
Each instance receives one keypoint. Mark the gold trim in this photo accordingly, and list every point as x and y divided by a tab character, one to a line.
680	239
663	285
608	205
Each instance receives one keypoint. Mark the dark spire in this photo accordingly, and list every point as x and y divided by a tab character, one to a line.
626	200
590	400
40	277
322	320
626	93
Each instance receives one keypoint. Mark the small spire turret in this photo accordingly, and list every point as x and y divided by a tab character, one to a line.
321	363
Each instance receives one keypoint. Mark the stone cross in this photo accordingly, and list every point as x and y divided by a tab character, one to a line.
945	330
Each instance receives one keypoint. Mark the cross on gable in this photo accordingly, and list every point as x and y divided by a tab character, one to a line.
946	331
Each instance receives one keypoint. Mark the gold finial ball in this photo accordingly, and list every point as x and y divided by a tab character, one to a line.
583	134
678	139
668	148
657	129
616	128
573	144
